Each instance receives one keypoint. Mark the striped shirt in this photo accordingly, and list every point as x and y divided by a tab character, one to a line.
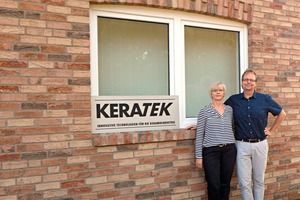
213	128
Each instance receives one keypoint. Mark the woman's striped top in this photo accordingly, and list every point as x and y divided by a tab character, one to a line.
213	128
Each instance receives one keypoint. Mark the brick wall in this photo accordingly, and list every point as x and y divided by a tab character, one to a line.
46	148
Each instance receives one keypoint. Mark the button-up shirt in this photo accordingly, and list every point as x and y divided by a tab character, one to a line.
251	115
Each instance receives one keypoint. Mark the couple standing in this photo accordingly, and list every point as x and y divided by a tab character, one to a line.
235	131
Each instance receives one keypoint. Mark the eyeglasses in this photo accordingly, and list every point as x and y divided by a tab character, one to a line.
247	80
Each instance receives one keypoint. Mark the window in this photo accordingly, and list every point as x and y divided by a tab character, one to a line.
132	57
140	51
210	55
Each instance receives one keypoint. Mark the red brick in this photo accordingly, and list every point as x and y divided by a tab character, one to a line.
69	184
4	174
81	105
276	6
21	190
104	139
199	187
102	157
29	131
77	97
83	136
86	151
53	17
13	64
109	164
79	66
9	157
29	147
54	162
10	140
103	172
35	171
9	106
4	72
8	148
112	139
56	129
29	114
7	132
30	196
139	175
5	46
97	140
14	81
70	168
81	58
35	7
182	150
53	49
54	2
108	194
169	135
59	105
79	113
34	72
147	160
46	122
9	38
32	56
183	176
231	10
186	169
92	196
77	175
125	170
40	97
62	89
79	190
162	179
78	11
132	197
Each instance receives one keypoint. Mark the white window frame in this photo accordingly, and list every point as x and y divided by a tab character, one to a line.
176	21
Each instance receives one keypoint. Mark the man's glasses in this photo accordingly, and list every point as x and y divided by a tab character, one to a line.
248	80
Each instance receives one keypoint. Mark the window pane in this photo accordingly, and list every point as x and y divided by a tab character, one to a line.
210	55
133	57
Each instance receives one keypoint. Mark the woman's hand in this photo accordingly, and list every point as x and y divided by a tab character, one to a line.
199	163
191	127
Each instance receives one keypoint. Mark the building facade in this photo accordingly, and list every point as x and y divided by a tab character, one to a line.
47	66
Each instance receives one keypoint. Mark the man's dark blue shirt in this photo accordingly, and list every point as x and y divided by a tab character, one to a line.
251	115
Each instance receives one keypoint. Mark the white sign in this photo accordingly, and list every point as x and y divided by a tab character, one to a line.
134	113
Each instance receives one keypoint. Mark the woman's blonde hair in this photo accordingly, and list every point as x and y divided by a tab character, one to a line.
214	85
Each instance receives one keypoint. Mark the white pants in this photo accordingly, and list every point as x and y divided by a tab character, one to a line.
251	163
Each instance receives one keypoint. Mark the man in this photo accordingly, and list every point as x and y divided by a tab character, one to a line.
250	110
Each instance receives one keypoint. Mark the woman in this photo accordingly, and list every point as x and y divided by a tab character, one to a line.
215	144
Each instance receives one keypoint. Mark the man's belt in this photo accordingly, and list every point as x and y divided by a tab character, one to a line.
253	140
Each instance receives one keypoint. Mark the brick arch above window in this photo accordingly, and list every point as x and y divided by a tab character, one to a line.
238	10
